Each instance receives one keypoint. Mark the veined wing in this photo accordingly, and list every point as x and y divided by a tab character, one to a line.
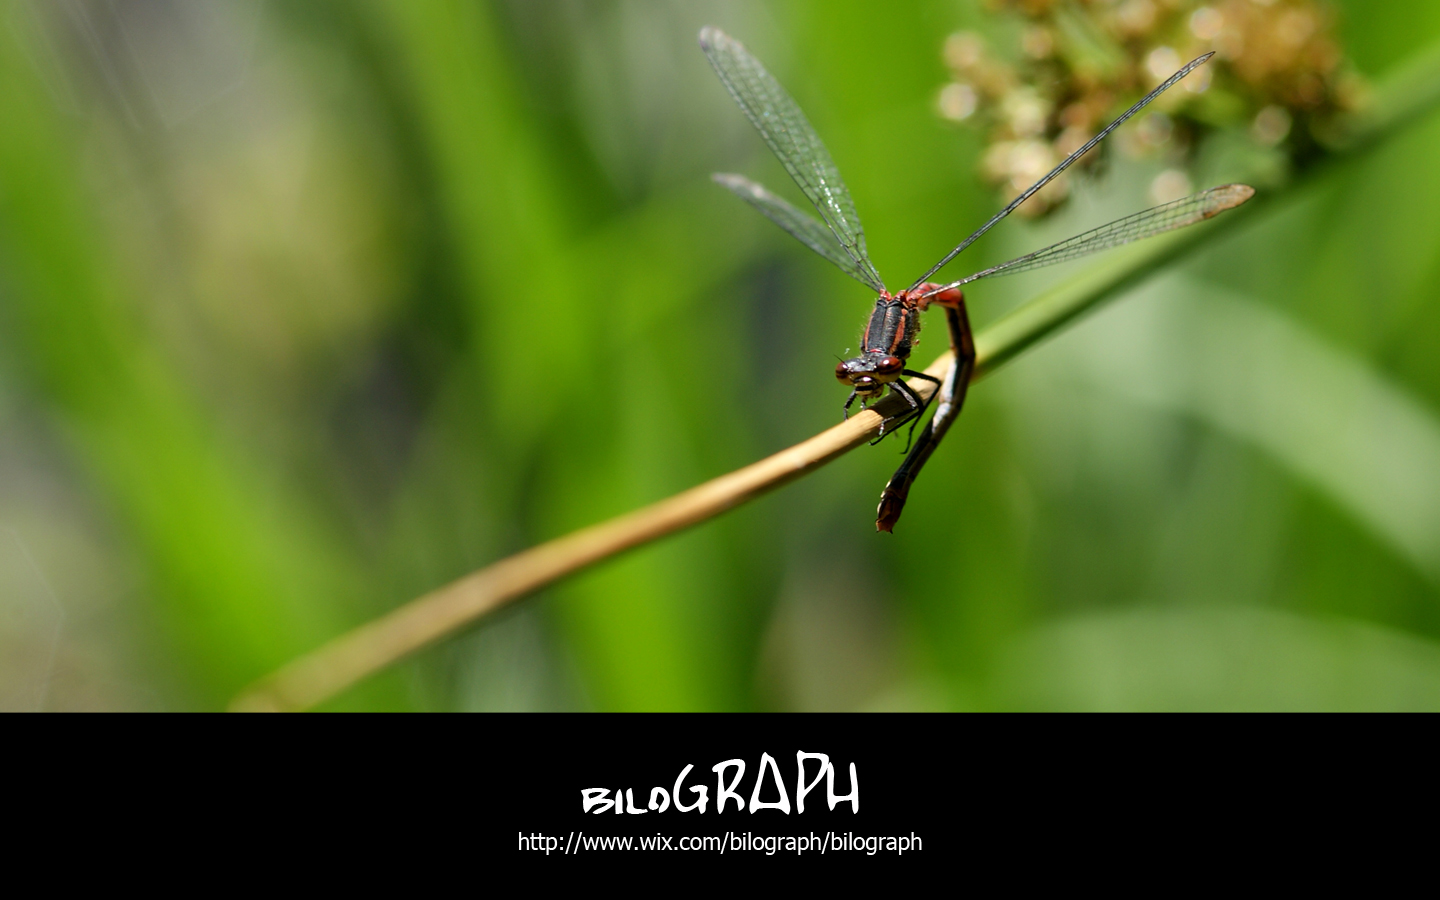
1055	172
1153	221
790	136
805	228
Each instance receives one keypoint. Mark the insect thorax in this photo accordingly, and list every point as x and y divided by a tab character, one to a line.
892	327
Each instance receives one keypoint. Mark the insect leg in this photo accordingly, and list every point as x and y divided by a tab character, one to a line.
910	438
911	373
952	398
849	400
916	409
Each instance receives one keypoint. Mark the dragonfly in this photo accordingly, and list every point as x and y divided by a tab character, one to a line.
890	334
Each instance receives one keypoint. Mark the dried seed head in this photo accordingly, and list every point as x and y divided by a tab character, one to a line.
1279	75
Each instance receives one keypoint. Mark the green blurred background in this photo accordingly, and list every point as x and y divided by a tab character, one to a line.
309	307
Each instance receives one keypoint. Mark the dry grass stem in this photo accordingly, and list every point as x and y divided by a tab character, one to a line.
320	675
329	670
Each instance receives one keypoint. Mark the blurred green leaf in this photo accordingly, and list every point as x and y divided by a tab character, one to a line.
1218	659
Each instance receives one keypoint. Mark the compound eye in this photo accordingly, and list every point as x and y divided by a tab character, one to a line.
890	365
842	372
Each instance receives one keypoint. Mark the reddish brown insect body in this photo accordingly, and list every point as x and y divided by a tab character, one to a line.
890	334
951	393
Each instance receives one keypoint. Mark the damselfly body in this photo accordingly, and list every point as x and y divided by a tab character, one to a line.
836	235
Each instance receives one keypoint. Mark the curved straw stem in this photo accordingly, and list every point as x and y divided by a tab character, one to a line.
325	672
314	678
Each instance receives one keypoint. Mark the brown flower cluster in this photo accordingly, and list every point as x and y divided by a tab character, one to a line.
1278	73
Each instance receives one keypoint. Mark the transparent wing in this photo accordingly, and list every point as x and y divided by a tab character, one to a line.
1167	217
789	134
1144	101
805	228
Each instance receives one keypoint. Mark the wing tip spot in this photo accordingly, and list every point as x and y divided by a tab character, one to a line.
1229	196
